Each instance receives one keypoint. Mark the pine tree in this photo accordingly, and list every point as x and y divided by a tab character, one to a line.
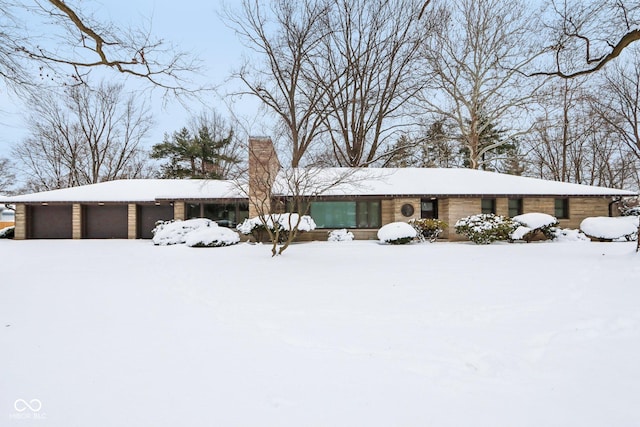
199	156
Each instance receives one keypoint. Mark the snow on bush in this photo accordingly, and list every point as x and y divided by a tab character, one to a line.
174	232
397	233
535	220
533	224
283	223
342	235
428	228
7	232
483	229
520	232
611	228
207	237
569	235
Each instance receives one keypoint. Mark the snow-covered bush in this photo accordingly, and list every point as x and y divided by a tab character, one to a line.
427	228
611	228
397	233
532	225
485	228
174	232
277	223
208	237
630	206
569	235
342	235
7	232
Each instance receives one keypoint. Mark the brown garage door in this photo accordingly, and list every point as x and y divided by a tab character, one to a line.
104	222
49	222
148	215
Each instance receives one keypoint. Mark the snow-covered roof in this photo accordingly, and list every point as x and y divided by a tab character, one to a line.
428	181
137	190
325	182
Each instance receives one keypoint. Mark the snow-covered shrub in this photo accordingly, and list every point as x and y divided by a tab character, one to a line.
630	206
342	235
485	228
397	233
208	237
611	228
532	225
174	232
569	235
277	223
427	228
7	232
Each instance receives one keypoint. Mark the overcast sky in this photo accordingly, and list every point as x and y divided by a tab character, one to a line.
193	25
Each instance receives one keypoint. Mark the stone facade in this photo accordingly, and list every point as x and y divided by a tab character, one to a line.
263	169
76	221
21	222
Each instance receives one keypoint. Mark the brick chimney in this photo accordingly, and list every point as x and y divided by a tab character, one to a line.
263	168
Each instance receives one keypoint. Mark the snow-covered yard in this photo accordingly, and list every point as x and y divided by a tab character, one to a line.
124	333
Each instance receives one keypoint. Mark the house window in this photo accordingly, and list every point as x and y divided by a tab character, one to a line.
429	208
225	214
515	207
338	214
562	208
488	206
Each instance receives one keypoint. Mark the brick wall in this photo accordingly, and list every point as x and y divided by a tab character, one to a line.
583	207
179	211
263	168
21	222
132	221
76	221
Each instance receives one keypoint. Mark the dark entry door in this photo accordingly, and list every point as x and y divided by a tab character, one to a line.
104	221
429	208
49	222
148	215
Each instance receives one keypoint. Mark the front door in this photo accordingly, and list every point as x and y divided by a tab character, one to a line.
429	208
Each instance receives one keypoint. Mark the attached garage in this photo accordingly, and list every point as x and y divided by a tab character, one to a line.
104	221
49	221
147	216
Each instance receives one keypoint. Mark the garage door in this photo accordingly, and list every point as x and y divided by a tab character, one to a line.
104	221
49	222
148	215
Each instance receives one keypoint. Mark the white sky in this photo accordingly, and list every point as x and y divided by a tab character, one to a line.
193	26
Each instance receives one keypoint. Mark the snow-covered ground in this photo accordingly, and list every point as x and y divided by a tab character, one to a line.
124	333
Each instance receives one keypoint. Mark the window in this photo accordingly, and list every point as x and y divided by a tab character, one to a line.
225	214
562	208
488	206
429	208
515	207
338	214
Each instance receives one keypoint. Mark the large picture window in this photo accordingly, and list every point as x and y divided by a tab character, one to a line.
225	214
342	214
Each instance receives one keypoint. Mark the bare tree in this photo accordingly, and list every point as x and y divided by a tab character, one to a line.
586	35
47	40
572	142
475	73
7	177
618	101
285	37
90	136
368	66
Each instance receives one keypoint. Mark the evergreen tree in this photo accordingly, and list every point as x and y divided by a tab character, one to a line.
199	156
488	135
